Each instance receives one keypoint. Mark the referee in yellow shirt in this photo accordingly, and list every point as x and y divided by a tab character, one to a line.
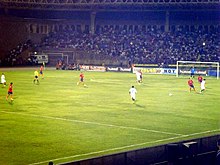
36	75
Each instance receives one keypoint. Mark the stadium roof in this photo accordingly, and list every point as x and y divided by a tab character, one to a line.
111	5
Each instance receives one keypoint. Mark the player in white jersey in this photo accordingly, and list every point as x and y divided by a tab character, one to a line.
132	93
139	76
3	81
202	86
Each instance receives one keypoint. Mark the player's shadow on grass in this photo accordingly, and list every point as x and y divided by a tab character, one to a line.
10	102
139	106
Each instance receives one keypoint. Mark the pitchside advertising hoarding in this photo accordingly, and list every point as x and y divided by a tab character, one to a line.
93	68
171	71
199	72
118	69
144	70
103	68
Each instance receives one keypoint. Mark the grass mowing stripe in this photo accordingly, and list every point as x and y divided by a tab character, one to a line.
95	123
126	147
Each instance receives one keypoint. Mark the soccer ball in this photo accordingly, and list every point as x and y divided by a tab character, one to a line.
170	94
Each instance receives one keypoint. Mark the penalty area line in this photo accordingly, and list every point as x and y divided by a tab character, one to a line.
95	123
124	147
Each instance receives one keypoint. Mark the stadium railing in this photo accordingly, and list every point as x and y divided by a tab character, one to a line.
201	151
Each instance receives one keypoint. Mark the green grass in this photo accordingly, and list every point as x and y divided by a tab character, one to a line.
60	121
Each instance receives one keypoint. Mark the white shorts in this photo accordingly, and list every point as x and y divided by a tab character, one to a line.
133	96
3	81
138	78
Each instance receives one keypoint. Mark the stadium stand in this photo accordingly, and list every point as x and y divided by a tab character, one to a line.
154	32
141	46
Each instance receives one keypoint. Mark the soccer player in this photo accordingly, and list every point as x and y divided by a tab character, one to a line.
81	80
200	79
191	86
3	81
139	76
44	65
202	86
41	72
36	74
132	93
10	92
192	72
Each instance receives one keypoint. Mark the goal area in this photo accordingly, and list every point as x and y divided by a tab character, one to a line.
198	68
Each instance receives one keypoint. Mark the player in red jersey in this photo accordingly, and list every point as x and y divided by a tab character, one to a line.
81	80
10	91
191	86
41	72
200	79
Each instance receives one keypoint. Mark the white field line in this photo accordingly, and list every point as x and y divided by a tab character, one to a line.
94	123
125	147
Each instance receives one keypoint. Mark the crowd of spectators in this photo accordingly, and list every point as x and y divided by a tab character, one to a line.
14	58
135	45
141	46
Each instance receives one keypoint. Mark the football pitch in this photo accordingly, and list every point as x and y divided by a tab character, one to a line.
61	122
